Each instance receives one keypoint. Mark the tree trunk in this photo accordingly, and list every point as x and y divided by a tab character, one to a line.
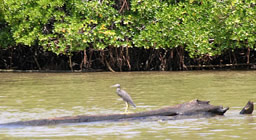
248	109
70	63
248	56
194	107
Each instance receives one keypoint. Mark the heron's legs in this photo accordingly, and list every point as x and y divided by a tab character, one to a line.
127	107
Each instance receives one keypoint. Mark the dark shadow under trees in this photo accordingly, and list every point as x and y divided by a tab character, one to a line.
122	59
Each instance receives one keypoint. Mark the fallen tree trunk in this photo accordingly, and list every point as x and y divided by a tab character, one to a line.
193	107
248	109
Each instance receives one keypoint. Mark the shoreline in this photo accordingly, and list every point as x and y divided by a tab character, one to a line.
221	67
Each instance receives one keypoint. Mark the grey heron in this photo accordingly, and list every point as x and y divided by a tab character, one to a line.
125	96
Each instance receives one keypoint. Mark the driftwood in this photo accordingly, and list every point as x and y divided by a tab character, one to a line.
194	107
248	109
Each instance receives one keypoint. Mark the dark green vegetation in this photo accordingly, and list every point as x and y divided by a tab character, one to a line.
126	34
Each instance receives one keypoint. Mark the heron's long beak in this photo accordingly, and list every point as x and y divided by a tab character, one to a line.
116	85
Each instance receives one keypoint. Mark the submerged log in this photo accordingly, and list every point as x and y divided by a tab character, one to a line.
193	107
248	109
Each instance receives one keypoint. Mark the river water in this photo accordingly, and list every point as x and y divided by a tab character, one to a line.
29	96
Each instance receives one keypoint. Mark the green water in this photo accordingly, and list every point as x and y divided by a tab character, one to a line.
27	96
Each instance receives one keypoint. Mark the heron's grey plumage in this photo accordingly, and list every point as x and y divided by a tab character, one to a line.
124	95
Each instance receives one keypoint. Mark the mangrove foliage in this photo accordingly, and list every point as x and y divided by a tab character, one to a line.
124	35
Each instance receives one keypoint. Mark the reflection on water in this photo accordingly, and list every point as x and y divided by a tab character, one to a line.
27	96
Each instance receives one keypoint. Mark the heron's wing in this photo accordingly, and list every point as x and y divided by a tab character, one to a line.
126	97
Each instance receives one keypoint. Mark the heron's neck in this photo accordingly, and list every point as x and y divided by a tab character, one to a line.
118	89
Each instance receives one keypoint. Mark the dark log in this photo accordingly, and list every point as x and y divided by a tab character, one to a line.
193	107
248	109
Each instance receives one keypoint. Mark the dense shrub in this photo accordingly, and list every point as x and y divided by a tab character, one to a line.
199	27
